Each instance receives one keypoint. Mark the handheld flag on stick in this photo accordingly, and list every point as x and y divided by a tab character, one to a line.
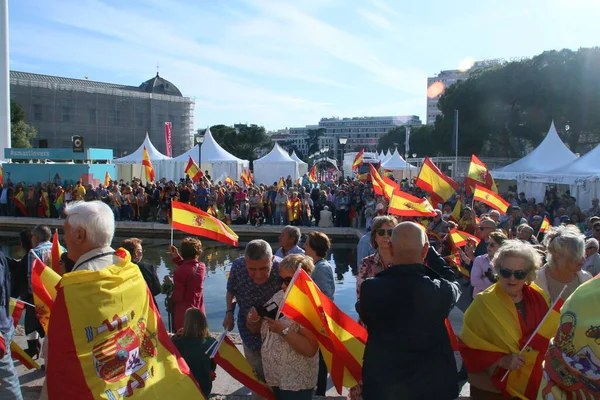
358	160
148	166
490	198
545	227
16	308
193	171
229	181
435	182
407	205
197	222
281	183
460	238
313	174
479	174
55	252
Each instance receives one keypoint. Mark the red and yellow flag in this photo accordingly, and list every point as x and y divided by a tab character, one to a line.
460	238
193	171
435	182
43	284
281	183
453	260
479	174
60	198
19	200
229	181
211	211
244	178
109	341
197	222
1	175
16	308
455	216
341	339
313	174
490	198
378	184
231	360
250	176
107	179
55	252
148	166
45	201
545	227
358	160
407	205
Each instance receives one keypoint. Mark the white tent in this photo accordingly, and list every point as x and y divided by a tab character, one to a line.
130	166
216	160
302	166
399	167
386	156
551	154
274	165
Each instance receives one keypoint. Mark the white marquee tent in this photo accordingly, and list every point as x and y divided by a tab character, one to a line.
219	163
274	165
550	155
386	156
130	166
302	166
399	166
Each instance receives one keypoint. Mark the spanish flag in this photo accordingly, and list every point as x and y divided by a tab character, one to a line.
231	360
60	198
479	174
545	227
453	260
107	179
148	166
244	178
435	182
341	339
378	185
193	171
358	160
407	205
109	341
197	222
490	198
229	181
389	186
455	216
16	308
250	176
19	200
281	183
45	201
313	174
460	238
43	284
55	252
211	211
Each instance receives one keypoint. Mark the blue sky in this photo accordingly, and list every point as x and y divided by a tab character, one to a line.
283	63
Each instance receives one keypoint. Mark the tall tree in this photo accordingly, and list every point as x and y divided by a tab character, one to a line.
243	141
21	133
421	140
312	141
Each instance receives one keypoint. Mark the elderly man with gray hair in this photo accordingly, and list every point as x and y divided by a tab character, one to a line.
288	240
566	255
253	280
592	258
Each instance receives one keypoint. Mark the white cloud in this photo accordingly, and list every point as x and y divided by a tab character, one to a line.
377	19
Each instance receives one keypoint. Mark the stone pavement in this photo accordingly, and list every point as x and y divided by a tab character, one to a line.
224	387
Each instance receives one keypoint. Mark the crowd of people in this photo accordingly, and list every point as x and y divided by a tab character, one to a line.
406	288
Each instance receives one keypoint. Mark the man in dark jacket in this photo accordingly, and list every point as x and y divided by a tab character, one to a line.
408	353
134	247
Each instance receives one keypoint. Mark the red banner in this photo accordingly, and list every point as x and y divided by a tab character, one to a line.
168	129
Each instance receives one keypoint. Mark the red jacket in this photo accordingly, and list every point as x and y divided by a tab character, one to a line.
188	288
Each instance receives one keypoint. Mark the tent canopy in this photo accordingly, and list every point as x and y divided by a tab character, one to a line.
137	156
302	166
274	165
551	154
396	162
211	152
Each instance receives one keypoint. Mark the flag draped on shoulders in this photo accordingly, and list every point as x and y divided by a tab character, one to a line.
479	174
435	182
197	222
341	339
109	342
493	328
149	171
107	179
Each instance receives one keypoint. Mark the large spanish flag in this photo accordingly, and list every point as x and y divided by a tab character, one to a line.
148	166
109	341
341	339
313	174
490	198
378	185
55	252
407	205
460	238
197	222
233	361
19	200
358	160
479	174
193	171
435	182
43	284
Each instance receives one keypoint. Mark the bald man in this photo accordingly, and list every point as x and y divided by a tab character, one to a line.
408	353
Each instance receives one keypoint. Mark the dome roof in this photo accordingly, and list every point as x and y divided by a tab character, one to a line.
160	85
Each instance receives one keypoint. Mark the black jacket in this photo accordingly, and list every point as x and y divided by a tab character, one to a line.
149	274
408	353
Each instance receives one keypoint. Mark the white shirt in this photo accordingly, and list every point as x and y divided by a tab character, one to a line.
96	259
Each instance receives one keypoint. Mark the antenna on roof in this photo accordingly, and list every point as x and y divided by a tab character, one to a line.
157	69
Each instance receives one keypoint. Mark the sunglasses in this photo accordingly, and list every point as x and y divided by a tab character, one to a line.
507	273
382	232
287	280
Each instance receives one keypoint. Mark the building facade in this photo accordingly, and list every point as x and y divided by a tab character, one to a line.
107	115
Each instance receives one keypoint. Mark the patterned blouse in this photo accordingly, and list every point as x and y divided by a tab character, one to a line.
369	267
283	366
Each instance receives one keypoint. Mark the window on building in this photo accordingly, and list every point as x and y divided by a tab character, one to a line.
66	114
92	115
37	112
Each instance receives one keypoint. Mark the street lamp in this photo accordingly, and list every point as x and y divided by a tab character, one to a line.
343	141
198	140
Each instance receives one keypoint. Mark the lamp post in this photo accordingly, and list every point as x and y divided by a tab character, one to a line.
343	141
198	140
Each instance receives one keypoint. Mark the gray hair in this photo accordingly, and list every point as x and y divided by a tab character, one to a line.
42	232
495	212
258	249
516	248
593	242
95	218
525	228
293	232
565	241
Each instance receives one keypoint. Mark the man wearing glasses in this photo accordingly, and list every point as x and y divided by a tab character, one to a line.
486	227
592	258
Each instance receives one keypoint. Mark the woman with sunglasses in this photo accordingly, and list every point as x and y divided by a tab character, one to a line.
290	355
498	323
482	276
566	256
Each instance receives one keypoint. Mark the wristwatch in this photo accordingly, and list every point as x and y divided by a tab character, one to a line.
285	332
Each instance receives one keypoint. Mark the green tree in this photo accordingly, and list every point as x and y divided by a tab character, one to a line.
312	141
21	133
243	141
421	141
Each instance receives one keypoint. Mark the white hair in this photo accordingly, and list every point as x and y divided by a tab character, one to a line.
593	242
95	217
566	241
495	212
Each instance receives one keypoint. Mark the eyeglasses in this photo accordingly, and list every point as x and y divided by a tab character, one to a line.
518	274
383	232
483	228
590	248
287	280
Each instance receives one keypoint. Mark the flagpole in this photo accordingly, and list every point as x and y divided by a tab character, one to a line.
287	291
455	169
24	302
538	327
171	223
